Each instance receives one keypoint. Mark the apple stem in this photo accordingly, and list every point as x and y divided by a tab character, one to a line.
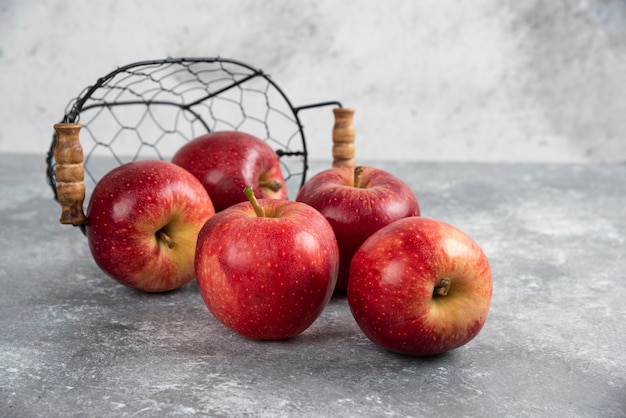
442	287
260	212
357	176
273	185
165	238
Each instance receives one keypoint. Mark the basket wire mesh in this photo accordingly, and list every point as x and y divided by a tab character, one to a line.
149	109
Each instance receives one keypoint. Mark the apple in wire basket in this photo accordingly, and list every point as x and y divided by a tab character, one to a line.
143	221
226	162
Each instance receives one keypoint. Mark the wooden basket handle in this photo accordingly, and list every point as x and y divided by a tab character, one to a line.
343	137
70	173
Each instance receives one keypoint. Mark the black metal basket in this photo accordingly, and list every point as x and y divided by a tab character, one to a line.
148	109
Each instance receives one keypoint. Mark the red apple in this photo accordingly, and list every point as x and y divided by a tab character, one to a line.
357	201
420	287
266	269
143	221
228	161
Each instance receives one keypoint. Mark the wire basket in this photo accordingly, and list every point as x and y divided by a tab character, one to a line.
149	109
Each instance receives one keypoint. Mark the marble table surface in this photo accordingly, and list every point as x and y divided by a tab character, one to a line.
75	343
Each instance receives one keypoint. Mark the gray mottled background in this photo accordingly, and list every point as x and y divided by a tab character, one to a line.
430	80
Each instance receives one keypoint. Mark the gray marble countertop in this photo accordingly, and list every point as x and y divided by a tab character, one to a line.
75	343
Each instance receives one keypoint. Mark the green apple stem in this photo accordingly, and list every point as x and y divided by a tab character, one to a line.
161	235
273	185
357	176
442	287
260	212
